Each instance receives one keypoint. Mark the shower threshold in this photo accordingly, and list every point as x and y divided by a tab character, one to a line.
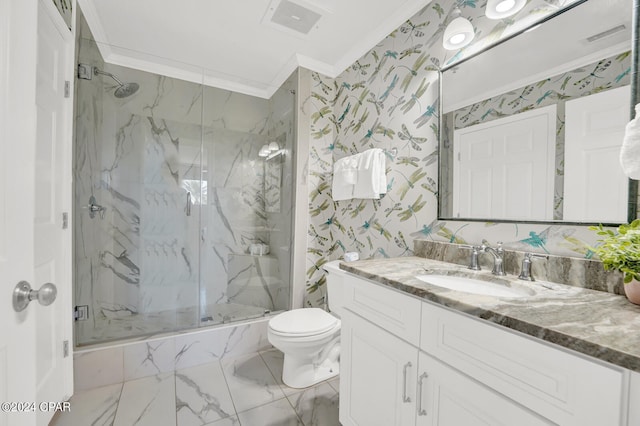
142	326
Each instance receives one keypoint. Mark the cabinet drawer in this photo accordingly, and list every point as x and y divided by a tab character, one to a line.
565	388
393	311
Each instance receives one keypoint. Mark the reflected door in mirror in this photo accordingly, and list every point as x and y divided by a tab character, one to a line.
595	186
505	168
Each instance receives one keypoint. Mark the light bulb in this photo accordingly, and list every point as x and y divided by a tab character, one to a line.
505	6
500	9
458	33
273	146
457	39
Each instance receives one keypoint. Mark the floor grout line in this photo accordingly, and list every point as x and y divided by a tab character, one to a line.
226	382
295	400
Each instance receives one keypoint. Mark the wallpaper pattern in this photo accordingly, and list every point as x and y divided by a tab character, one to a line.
389	99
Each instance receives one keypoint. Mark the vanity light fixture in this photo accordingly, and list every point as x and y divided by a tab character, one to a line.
500	9
458	33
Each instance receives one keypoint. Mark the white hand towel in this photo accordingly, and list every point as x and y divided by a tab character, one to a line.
371	174
345	174
382	172
630	151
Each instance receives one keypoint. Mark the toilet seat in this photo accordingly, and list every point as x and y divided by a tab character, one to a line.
303	322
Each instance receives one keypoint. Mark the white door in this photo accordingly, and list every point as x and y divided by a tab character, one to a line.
378	376
35	188
595	188
504	168
447	397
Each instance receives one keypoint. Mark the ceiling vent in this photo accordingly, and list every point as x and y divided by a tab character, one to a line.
292	17
606	33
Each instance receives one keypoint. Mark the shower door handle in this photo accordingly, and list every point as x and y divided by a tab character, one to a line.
188	208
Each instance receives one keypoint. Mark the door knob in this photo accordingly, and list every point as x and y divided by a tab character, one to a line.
23	294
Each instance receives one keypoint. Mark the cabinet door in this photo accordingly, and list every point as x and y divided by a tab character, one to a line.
446	397
377	376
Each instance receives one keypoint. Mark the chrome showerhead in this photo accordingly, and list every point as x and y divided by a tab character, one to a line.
124	89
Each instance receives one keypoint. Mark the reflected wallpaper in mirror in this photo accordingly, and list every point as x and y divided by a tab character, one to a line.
575	71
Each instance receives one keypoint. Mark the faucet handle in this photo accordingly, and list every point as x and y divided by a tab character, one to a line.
473	260
525	270
541	256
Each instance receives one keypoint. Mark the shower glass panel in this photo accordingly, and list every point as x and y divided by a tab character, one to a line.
246	244
137	260
170	198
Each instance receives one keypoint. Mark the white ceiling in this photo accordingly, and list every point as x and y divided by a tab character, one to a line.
233	44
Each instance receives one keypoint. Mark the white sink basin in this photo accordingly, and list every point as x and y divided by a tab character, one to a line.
475	286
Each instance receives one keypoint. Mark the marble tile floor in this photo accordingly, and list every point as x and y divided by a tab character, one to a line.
246	390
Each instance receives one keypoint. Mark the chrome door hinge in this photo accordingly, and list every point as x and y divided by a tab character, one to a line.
67	88
65	220
65	348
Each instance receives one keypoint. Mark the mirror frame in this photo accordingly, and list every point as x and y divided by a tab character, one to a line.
633	200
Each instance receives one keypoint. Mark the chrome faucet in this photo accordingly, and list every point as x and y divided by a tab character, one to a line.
525	272
473	260
498	257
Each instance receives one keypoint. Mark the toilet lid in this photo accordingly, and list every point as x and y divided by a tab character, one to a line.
308	321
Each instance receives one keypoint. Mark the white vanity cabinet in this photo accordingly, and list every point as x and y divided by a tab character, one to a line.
377	376
446	397
565	388
379	355
406	362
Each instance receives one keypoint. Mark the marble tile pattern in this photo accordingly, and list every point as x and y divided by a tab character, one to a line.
140	157
283	121
595	323
133	360
585	273
241	391
255	281
147	401
389	99
98	368
92	407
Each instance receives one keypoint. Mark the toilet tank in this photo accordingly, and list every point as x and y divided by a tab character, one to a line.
335	277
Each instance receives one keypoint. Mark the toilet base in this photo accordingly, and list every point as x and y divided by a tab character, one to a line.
302	373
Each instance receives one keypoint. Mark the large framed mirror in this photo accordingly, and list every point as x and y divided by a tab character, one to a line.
531	128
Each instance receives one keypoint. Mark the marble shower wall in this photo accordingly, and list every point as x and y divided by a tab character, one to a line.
141	157
236	126
144	248
389	99
280	206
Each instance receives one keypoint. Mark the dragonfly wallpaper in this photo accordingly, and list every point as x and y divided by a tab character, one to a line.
389	99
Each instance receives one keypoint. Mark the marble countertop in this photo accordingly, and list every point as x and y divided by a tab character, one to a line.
599	324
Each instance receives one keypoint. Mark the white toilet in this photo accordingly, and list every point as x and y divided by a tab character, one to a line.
310	337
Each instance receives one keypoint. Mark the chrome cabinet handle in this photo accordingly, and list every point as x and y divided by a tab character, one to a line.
405	398
421	411
23	295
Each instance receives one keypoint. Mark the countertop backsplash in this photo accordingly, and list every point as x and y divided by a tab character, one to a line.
584	273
